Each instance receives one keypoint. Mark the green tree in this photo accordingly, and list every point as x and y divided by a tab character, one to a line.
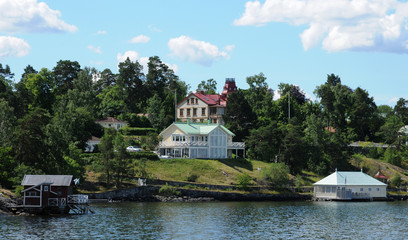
31	146
40	86
112	101
7	124
7	165
120	163
130	80
259	97
209	86
238	116
396	180
107	152
401	110
65	72
156	112
264	143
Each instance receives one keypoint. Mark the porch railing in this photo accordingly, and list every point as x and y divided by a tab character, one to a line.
77	199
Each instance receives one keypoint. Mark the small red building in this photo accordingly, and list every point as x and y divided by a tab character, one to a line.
47	192
381	177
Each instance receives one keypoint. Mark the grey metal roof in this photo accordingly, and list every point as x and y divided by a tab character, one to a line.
55	180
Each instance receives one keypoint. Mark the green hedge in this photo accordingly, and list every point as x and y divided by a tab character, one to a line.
147	155
136	131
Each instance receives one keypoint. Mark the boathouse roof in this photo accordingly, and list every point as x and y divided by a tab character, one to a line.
349	178
55	180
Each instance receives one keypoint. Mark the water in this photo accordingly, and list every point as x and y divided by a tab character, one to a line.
219	220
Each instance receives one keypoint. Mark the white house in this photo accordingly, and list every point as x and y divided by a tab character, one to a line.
91	143
349	186
110	122
199	140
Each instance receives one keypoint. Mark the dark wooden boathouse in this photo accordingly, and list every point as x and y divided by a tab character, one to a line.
52	194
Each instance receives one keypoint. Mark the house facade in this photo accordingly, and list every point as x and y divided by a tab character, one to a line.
110	122
201	107
50	193
349	186
91	143
199	140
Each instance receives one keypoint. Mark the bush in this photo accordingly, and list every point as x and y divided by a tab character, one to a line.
192	177
276	175
396	180
168	191
147	155
243	181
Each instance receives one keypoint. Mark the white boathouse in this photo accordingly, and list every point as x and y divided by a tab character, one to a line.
349	186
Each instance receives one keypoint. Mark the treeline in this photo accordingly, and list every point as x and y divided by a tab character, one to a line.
314	135
47	116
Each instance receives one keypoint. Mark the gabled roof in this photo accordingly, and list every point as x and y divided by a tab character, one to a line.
349	178
380	175
198	128
109	120
55	180
209	99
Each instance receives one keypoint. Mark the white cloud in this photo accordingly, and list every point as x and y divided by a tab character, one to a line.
95	49
154	29
101	32
229	48
140	39
13	47
337	25
31	16
134	56
196	51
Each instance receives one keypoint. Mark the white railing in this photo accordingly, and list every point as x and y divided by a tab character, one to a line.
184	144
236	145
77	199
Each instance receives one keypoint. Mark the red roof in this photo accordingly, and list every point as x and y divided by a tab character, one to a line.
380	175
211	99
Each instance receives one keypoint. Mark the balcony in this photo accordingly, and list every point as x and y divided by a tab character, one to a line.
236	145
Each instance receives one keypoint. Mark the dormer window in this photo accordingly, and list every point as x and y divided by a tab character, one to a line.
188	101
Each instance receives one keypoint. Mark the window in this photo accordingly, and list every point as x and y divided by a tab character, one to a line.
361	189
194	111
181	112
378	189
202	111
45	188
196	100
188	101
188	112
369	189
33	193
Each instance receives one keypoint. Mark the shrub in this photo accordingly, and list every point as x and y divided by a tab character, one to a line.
243	181
277	174
147	155
396	180
192	177
168	191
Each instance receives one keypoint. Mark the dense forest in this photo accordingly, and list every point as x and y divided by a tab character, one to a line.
47	116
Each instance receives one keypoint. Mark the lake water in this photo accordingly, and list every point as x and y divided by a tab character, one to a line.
219	220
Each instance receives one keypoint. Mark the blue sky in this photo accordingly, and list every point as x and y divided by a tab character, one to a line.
290	41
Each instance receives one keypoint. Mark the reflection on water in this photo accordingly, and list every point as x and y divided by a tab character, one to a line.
219	220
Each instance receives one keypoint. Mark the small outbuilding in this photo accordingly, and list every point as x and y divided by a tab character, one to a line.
51	193
349	186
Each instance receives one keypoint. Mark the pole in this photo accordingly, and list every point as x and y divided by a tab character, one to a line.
175	105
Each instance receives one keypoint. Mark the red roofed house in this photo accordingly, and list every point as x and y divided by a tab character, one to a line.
200	107
381	177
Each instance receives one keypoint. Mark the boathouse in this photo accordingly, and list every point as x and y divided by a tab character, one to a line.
52	193
349	186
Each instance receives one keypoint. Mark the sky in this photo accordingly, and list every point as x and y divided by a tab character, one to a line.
364	42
